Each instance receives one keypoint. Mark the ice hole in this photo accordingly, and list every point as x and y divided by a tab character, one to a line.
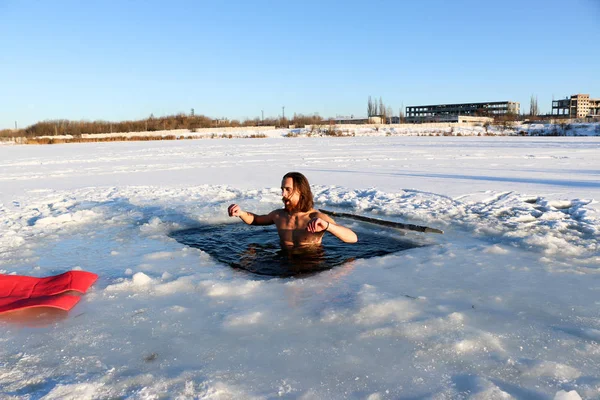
256	248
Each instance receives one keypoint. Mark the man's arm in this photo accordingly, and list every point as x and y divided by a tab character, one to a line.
322	222
249	218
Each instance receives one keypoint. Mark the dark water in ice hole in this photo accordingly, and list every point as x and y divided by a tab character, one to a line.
256	248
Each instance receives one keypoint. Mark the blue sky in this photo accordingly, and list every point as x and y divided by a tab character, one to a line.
118	60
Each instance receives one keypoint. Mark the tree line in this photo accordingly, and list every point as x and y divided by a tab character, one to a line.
60	127
379	109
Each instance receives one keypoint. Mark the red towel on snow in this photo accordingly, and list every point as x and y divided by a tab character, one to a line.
18	291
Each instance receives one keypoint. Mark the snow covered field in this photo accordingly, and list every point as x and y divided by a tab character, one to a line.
503	305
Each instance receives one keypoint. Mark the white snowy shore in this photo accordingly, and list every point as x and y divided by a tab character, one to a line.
431	129
503	305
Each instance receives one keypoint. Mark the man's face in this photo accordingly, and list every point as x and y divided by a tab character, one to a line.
289	195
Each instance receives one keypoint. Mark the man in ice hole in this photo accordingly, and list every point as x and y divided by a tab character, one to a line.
298	223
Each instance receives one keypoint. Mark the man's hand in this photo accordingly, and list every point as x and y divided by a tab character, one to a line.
234	210
316	225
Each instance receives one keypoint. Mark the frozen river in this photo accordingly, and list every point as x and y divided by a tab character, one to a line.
503	305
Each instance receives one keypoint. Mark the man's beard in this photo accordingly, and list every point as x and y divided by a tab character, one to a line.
289	207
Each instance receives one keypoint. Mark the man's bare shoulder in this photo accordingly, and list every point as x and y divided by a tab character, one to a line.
317	214
277	213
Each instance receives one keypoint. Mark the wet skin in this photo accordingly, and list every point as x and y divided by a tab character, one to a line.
296	229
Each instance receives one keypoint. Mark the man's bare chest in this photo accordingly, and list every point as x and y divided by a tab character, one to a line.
292	222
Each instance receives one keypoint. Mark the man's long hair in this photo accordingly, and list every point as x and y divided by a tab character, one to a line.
301	184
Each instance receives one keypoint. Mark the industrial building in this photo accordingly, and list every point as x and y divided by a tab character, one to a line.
454	112
577	106
374	119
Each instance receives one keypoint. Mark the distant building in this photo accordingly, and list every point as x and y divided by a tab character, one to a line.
453	112
375	119
378	120
350	120
578	106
